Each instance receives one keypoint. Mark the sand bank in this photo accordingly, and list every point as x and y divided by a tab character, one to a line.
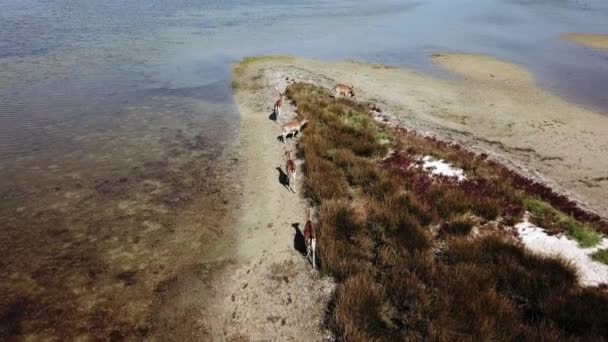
487	105
595	41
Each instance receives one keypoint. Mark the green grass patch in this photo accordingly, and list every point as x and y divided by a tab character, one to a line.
384	137
584	234
601	256
239	71
537	207
355	120
544	215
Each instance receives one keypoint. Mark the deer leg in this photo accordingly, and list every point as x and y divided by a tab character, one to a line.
313	245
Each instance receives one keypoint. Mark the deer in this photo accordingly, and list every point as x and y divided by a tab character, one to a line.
310	237
290	168
279	103
341	89
293	127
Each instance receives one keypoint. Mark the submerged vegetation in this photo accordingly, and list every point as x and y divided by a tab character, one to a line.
422	256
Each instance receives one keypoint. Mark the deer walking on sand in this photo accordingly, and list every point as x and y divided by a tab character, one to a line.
290	168
278	104
293	127
310	237
344	90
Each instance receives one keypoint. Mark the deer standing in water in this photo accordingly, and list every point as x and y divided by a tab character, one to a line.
290	168
293	127
344	90
310	237
278	104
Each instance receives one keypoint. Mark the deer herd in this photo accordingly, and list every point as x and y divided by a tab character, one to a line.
294	128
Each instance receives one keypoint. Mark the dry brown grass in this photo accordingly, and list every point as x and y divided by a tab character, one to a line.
399	281
460	225
360	309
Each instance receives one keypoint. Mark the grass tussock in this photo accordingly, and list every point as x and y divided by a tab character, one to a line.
359	309
601	256
460	225
401	281
544	215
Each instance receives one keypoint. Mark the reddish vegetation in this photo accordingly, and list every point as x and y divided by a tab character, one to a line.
473	162
399	241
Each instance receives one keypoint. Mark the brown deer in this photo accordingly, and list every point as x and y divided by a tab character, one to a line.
278	104
293	127
344	90
290	168
310	237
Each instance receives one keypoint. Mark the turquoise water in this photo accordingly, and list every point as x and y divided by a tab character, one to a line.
118	133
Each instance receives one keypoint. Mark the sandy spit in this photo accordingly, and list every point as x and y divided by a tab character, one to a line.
595	41
487	105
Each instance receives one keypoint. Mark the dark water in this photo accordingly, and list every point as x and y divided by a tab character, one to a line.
118	134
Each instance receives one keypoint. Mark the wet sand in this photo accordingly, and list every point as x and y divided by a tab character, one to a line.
595	41
488	105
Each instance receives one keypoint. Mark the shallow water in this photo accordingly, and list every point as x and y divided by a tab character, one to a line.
119	136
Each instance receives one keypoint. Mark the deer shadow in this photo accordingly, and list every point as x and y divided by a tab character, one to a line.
293	135
283	178
298	240
273	116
